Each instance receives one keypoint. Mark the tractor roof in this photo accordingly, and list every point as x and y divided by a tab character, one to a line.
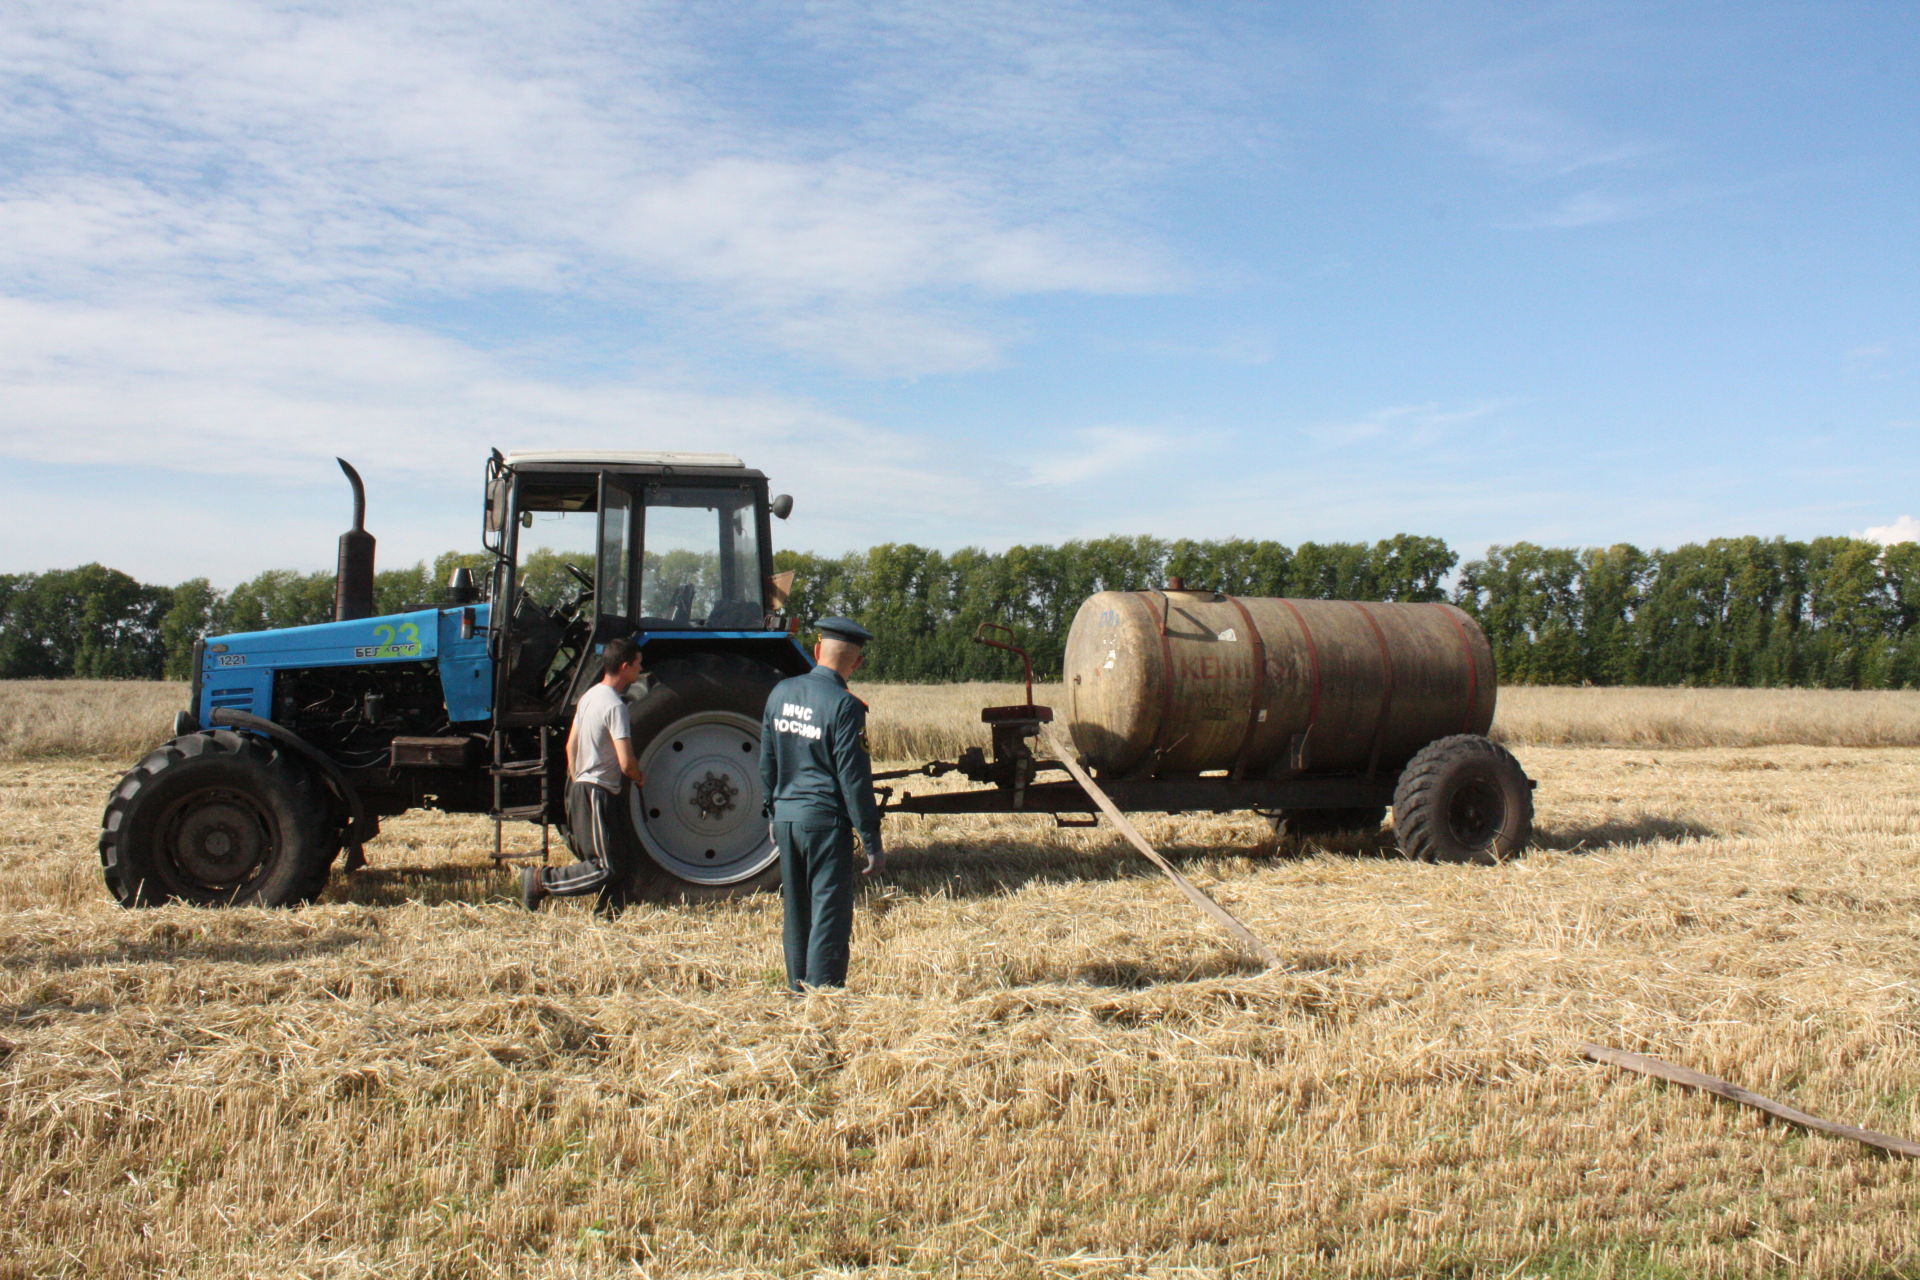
618	458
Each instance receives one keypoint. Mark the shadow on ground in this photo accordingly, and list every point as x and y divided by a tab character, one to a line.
1138	975
1642	829
189	949
378	886
963	871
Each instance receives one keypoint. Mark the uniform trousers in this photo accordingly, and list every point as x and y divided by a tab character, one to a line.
601	837
816	882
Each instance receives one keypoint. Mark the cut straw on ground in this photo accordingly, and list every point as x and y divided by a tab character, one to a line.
1047	1062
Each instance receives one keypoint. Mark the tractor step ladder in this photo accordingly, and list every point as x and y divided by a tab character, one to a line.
522	776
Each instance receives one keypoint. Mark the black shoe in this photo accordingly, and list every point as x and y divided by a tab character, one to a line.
532	891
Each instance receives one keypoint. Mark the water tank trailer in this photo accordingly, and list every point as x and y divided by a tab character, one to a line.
1319	713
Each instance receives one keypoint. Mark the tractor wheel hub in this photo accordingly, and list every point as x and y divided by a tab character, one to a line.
713	795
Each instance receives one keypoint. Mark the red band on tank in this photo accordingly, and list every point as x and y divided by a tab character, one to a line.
1386	696
1313	662
1473	669
1259	698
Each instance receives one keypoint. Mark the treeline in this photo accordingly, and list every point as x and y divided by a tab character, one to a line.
98	623
1831	612
925	605
1836	613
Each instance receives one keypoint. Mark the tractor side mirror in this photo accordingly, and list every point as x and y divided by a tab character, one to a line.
496	505
782	506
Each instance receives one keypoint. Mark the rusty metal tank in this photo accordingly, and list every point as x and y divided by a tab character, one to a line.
1179	682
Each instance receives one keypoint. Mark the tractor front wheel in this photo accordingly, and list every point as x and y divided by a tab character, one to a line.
217	819
698	817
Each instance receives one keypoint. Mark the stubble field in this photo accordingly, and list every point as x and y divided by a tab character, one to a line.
1046	1064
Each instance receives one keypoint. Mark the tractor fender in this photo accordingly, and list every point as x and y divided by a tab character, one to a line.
360	826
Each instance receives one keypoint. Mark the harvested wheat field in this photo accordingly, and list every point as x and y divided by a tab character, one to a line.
1047	1063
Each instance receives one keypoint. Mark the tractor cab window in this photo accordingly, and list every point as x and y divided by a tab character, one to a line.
555	550
559	527
702	562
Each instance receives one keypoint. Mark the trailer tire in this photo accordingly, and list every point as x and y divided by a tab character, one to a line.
697	820
217	819
1463	799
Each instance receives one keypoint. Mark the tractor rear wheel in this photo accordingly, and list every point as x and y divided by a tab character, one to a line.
217	819
1463	799
698	817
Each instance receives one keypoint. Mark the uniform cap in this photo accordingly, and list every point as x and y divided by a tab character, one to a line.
844	629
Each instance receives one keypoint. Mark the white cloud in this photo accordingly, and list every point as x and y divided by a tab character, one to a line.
368	154
211	412
1590	209
1905	529
1100	451
1407	425
1889	360
1521	98
1510	126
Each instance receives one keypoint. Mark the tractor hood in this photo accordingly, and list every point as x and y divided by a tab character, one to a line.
236	671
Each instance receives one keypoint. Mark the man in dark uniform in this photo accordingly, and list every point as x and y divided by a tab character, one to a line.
819	787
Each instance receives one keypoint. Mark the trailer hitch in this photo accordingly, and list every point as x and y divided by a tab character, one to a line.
1012	765
932	769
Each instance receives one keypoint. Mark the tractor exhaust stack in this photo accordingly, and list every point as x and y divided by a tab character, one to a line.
353	579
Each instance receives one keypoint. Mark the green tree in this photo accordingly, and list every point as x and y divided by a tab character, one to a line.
1527	600
277	599
401	590
1332	571
1410	568
1851	610
189	616
92	622
1612	590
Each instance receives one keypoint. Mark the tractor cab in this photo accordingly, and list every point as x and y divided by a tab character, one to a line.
671	549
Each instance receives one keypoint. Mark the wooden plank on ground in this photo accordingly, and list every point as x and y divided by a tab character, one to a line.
1063	750
1734	1093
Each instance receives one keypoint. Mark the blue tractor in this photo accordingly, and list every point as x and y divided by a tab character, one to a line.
298	742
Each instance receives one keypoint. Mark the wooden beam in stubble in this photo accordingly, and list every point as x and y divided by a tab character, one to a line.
1063	751
1734	1093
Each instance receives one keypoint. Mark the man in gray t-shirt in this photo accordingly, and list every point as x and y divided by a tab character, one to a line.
600	762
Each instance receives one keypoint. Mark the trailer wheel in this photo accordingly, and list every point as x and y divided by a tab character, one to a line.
217	819
1463	799
698	819
1306	823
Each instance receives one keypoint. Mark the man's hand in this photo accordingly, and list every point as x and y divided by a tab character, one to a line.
629	761
876	859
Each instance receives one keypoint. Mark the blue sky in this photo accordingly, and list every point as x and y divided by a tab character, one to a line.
959	273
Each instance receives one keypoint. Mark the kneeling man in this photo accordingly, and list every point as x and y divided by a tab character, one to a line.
600	762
